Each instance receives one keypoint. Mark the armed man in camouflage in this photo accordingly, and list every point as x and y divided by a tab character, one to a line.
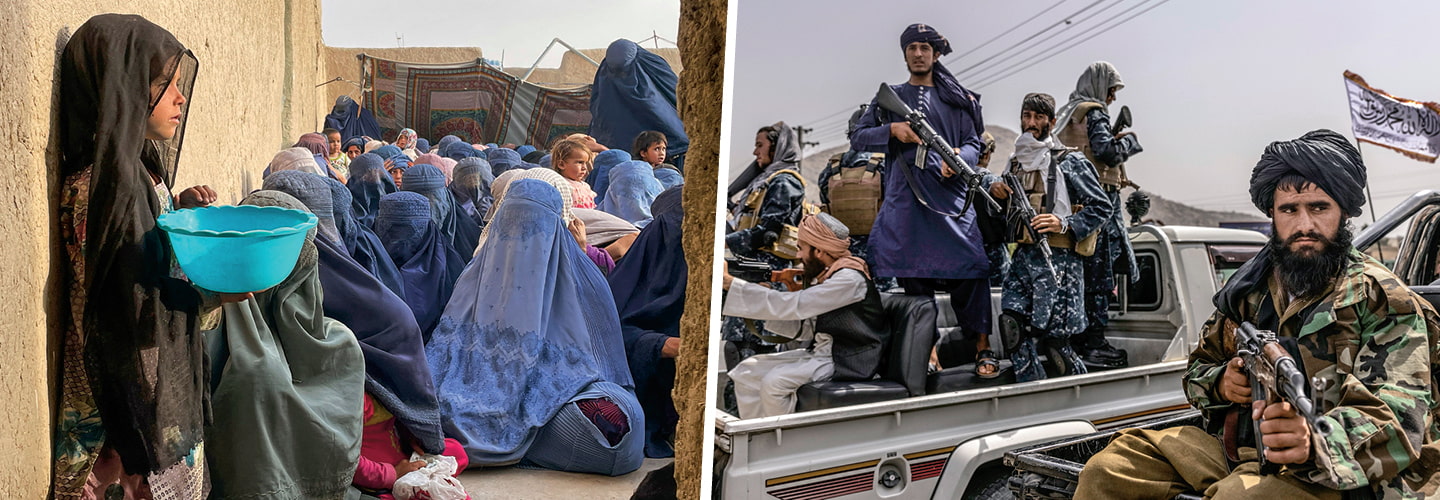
1365	341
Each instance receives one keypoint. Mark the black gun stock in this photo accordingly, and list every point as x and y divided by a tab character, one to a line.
929	139
1023	210
1122	120
1274	376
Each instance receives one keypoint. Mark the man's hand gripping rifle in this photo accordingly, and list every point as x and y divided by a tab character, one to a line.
1274	376
1022	213
929	139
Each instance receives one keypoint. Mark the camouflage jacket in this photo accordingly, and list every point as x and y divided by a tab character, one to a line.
1371	342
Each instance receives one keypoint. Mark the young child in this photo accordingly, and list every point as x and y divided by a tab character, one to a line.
650	147
572	160
383	459
338	159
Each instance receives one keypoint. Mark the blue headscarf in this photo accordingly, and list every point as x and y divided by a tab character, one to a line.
632	189
459	229
668	177
312	190
525	150
422	145
649	289
502	159
367	183
428	264
353	141
388	151
545	160
471	186
361	242
599	177
401	162
457	149
351	120
531	324
634	91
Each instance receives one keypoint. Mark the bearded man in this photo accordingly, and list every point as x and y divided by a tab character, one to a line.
1364	340
837	315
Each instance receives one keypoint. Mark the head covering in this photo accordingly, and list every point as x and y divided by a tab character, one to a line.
456	150
1322	157
924	33
353	141
408	135
525	150
106	71
545	161
316	142
668	175
1093	86
351	120
429	265
388	151
649	290
531	325
296	158
632	189
293	375
549	176
373	145
787	155
602	228
422	146
446	165
502	159
457	227
599	176
452	138
829	235
367	183
471	187
314	192
532	156
946	86
361	242
634	91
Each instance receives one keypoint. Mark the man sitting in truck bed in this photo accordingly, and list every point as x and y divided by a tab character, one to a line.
838	315
1364	340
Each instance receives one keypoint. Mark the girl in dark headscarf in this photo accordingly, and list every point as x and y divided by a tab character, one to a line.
471	187
361	242
429	265
459	229
368	182
289	387
528	357
649	289
134	396
634	91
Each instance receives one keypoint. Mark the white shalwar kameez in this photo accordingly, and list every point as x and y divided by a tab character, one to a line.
765	384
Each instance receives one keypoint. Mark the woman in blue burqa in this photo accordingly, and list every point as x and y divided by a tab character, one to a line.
429	265
460	231
634	91
649	289
471	187
631	190
351	120
528	358
361	242
367	183
288	385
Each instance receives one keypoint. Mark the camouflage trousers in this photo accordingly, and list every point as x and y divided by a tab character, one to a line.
1163	463
1054	303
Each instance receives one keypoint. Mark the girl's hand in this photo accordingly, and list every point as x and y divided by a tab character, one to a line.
406	467
197	196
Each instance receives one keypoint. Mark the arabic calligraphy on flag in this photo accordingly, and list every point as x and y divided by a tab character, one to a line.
1404	125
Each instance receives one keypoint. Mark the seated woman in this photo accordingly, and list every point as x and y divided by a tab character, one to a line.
649	290
600	257
528	358
632	189
471	187
460	231
429	265
368	182
361	242
502	160
599	175
288	384
399	392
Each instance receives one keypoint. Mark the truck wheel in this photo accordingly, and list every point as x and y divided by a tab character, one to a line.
990	483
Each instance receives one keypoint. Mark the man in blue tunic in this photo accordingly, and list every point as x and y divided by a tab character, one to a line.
931	246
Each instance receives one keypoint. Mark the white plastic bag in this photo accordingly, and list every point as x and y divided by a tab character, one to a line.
435	481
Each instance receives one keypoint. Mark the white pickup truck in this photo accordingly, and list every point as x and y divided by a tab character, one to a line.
909	434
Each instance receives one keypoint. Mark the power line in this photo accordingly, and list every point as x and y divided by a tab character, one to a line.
1068	47
1068	26
1065	20
1007	32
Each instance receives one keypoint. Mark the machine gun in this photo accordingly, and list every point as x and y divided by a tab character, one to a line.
754	271
929	139
1122	121
1274	376
1021	209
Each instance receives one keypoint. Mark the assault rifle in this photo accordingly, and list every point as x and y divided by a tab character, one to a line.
1274	376
1020	207
1122	120
754	271
929	139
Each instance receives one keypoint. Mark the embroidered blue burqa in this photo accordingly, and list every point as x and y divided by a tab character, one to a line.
631	190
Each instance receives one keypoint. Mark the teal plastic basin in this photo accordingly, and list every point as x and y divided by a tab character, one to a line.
237	249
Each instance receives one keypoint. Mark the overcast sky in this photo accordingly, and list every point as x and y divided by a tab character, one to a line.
519	30
1210	82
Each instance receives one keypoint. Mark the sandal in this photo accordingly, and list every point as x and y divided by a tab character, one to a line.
987	358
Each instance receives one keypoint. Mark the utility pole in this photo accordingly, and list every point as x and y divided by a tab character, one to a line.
800	132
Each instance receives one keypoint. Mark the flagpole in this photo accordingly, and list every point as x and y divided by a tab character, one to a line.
1370	198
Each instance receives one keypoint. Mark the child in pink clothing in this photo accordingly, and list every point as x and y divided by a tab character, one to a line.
383	460
572	160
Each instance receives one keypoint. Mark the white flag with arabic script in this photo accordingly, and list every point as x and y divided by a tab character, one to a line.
1404	125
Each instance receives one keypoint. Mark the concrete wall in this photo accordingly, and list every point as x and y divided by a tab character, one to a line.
575	70
259	63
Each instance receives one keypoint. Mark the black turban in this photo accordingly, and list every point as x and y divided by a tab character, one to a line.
1322	157
924	33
